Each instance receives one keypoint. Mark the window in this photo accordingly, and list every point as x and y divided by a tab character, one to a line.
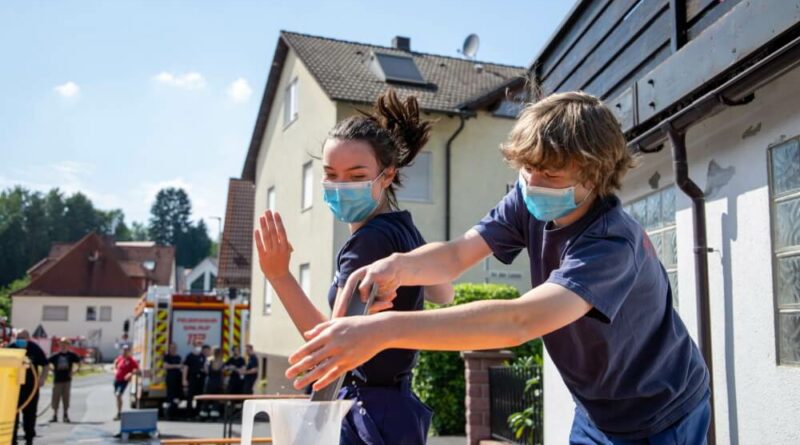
271	198
290	103
305	278
396	68
91	313
784	164
656	213
105	313
55	313
417	180
268	291
308	185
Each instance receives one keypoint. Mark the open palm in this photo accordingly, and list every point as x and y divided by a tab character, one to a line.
274	249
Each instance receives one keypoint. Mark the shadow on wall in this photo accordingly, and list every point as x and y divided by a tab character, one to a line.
717	178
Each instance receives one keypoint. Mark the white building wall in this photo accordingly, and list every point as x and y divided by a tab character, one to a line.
26	312
756	400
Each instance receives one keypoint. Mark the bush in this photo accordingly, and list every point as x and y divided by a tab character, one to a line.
439	376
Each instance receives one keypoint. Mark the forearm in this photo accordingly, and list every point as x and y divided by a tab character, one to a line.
483	324
301	310
441	262
479	325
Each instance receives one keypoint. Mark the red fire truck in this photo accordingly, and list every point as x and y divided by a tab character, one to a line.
162	317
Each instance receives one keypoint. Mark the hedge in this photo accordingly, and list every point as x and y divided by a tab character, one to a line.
439	376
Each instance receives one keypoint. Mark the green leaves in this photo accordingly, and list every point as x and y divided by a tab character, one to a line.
439	376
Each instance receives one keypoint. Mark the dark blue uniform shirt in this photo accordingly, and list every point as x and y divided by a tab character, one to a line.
629	363
380	237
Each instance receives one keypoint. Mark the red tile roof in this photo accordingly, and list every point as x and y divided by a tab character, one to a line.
96	266
237	237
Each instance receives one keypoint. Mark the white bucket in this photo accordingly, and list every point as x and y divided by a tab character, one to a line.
297	422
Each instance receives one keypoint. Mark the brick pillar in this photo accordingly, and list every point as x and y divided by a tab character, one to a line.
476	369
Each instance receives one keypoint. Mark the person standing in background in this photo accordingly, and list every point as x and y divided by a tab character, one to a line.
63	363
250	374
233	365
214	380
125	367
194	374
174	368
30	389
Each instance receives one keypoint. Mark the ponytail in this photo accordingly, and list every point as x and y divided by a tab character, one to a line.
394	131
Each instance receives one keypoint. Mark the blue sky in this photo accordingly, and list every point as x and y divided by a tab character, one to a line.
120	98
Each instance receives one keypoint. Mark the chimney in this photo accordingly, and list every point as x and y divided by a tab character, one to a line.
402	43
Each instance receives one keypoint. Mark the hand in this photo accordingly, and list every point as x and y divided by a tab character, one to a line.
333	348
384	273
274	249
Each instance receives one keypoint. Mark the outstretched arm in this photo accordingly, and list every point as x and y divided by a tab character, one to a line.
428	265
340	345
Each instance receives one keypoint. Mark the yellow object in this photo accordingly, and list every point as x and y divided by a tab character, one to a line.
12	375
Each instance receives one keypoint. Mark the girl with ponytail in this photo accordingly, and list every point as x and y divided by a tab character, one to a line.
362	157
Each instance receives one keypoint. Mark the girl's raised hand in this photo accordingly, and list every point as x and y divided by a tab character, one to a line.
274	249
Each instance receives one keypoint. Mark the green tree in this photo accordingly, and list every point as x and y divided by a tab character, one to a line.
31	221
56	209
80	217
170	224
169	216
14	258
5	295
193	246
139	232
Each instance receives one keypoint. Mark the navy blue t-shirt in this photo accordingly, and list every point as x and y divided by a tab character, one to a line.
629	363
383	235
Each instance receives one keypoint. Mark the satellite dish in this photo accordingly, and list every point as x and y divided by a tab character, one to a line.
470	48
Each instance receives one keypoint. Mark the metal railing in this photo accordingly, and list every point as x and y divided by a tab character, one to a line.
508	396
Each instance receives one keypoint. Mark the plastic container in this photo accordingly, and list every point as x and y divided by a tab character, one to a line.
12	375
297	422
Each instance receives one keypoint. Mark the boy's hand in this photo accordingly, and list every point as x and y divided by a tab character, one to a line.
333	348
384	273
274	249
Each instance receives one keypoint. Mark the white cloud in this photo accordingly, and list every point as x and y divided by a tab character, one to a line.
68	90
188	81
240	90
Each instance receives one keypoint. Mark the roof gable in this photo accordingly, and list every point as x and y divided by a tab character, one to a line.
88	268
345	72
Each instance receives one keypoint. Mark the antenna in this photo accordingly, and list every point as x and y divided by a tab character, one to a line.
470	47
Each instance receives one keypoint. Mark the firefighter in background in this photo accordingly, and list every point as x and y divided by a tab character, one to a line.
39	361
194	374
250	372
234	365
63	363
214	381
174	375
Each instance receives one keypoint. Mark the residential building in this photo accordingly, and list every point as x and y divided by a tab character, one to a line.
315	82
708	93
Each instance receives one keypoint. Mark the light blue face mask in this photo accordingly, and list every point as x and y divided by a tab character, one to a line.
21	343
350	201
547	204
